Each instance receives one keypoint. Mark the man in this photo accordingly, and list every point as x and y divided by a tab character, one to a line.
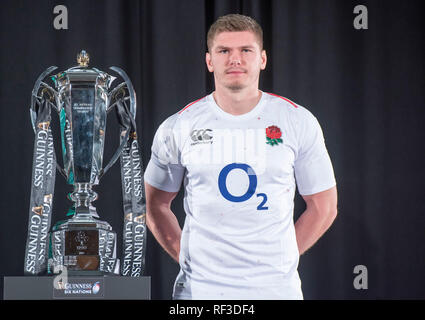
239	151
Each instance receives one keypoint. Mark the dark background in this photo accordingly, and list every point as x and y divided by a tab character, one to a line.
366	87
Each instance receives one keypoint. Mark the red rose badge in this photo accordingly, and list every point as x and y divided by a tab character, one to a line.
273	135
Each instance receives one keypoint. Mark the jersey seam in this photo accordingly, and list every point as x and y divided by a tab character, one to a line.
283	98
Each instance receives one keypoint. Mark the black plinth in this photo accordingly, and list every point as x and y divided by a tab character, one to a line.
77	287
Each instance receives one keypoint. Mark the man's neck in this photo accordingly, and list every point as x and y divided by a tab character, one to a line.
237	102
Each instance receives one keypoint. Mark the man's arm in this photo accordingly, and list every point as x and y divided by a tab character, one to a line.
320	213
161	221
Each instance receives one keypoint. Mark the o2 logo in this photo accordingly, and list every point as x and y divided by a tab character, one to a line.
251	188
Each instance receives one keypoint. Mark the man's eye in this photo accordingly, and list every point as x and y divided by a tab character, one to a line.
223	51
246	50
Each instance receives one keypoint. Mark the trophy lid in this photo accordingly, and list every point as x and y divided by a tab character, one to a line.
82	73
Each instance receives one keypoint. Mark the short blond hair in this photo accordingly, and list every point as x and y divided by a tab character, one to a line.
234	23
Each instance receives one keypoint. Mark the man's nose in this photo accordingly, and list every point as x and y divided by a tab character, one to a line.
235	59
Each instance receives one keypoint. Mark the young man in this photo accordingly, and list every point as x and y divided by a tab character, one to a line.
240	153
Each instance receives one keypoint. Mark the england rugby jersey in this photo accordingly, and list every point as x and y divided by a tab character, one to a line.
239	175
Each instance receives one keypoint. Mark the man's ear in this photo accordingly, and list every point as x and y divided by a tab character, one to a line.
263	59
208	62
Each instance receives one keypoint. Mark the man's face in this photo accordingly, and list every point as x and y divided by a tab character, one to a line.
236	60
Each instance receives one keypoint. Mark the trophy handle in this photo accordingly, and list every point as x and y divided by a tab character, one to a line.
131	113
35	101
115	156
34	95
130	87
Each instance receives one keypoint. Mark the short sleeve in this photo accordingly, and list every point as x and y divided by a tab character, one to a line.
164	170
313	167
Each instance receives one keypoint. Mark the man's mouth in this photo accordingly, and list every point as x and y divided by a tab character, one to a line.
235	71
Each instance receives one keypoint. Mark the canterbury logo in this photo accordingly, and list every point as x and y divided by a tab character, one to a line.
200	135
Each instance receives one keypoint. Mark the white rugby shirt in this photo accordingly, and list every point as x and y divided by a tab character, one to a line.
239	175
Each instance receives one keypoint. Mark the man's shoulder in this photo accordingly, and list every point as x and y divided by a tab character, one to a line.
288	106
193	106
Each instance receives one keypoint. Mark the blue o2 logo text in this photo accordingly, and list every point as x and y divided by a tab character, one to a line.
251	188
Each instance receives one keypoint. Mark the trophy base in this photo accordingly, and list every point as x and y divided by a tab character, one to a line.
77	287
83	246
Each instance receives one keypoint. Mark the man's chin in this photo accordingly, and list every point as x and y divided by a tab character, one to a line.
235	86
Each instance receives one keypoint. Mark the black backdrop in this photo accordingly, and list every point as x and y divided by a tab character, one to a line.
366	87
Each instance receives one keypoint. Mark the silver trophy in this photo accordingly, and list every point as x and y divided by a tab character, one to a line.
83	244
